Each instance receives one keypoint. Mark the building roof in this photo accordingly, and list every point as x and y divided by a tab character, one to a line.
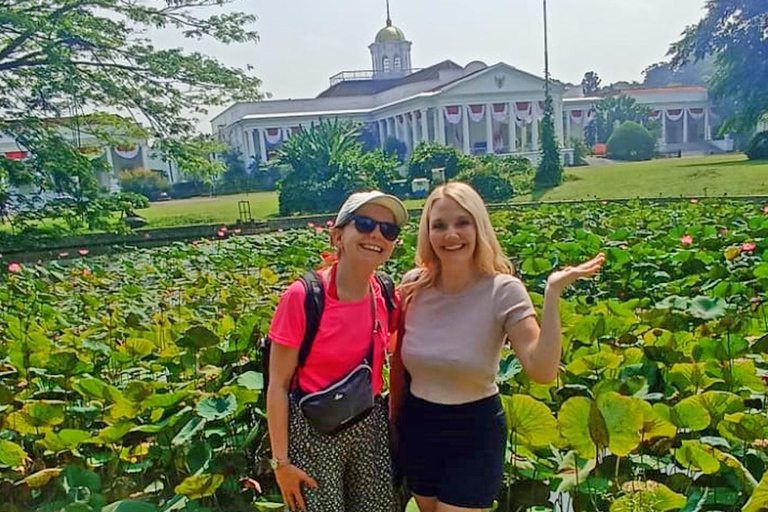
375	86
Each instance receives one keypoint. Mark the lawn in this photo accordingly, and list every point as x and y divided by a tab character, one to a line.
704	176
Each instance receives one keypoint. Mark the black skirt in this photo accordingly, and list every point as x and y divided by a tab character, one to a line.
454	452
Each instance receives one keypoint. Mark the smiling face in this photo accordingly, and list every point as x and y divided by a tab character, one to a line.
452	232
367	249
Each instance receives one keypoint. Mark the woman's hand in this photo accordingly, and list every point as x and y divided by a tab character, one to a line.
289	479
562	279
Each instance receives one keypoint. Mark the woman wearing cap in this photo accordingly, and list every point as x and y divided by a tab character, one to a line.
458	307
348	470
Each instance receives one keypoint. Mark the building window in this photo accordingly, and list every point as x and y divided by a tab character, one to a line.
398	63
385	64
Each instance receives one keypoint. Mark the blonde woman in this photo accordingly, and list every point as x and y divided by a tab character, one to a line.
459	305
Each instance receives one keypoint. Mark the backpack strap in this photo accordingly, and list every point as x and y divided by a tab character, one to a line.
314	302
387	290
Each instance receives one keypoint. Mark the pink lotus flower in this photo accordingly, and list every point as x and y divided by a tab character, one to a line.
221	233
194	243
146	236
14	267
724	231
318	230
310	225
686	240
83	252
63	254
237	231
223	228
280	230
86	271
694	200
765	209
329	223
748	247
604	203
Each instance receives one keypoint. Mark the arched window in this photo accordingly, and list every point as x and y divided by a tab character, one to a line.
398	63
385	64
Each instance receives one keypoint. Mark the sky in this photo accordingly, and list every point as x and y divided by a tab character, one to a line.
304	42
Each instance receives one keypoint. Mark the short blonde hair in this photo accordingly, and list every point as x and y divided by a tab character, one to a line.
488	258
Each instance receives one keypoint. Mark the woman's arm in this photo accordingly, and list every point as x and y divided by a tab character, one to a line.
283	362
539	348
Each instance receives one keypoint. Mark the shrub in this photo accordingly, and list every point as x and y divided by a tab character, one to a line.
431	155
145	182
395	147
758	147
630	141
580	151
493	177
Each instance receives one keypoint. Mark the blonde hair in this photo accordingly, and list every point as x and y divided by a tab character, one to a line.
488	258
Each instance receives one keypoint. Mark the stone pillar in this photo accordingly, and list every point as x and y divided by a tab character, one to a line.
524	138
263	144
414	130
382	123
535	135
440	126
567	122
512	129
424	125
465	128
707	127
663	128
489	128
685	126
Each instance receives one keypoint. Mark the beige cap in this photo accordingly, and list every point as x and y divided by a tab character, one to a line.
358	199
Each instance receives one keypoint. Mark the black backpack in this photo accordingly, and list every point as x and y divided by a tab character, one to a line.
314	303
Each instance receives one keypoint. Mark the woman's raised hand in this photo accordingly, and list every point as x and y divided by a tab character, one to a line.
563	278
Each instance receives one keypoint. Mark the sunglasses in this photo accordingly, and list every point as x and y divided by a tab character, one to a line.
366	225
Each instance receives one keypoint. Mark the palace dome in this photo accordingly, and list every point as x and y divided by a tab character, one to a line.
390	34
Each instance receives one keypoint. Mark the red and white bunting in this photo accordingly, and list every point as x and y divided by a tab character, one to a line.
501	112
675	114
523	112
538	110
655	115
576	116
696	113
127	152
453	114
476	113
92	153
273	135
16	155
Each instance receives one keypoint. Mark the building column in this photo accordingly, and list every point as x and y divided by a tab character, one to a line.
382	132
567	123
685	125
144	155
414	130
663	128
440	126
559	124
489	128
465	128
263	145
524	138
535	135
424	125
512	128
707	127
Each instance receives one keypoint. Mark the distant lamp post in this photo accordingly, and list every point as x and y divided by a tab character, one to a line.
550	170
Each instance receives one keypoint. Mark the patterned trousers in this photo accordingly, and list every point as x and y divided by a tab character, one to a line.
353	468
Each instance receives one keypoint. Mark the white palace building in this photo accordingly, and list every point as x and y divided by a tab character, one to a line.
476	108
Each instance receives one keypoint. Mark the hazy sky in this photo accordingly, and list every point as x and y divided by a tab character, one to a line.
304	42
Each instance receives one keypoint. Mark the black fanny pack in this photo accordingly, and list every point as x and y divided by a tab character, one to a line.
345	402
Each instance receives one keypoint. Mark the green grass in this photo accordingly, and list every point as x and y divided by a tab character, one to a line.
703	176
208	210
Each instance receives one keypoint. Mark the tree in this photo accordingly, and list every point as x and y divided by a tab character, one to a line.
631	141
433	155
590	84
235	167
327	164
194	156
62	58
735	32
550	171
612	111
662	74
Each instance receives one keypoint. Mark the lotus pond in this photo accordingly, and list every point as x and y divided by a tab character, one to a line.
131	382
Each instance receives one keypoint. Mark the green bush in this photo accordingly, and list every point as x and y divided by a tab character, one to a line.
431	155
145	182
580	151
492	186
630	141
758	147
395	147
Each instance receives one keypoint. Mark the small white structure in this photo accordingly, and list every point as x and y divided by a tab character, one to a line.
135	156
476	108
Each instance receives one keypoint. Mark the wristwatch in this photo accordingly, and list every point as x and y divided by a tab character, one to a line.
278	463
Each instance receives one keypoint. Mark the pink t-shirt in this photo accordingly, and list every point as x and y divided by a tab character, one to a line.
343	337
